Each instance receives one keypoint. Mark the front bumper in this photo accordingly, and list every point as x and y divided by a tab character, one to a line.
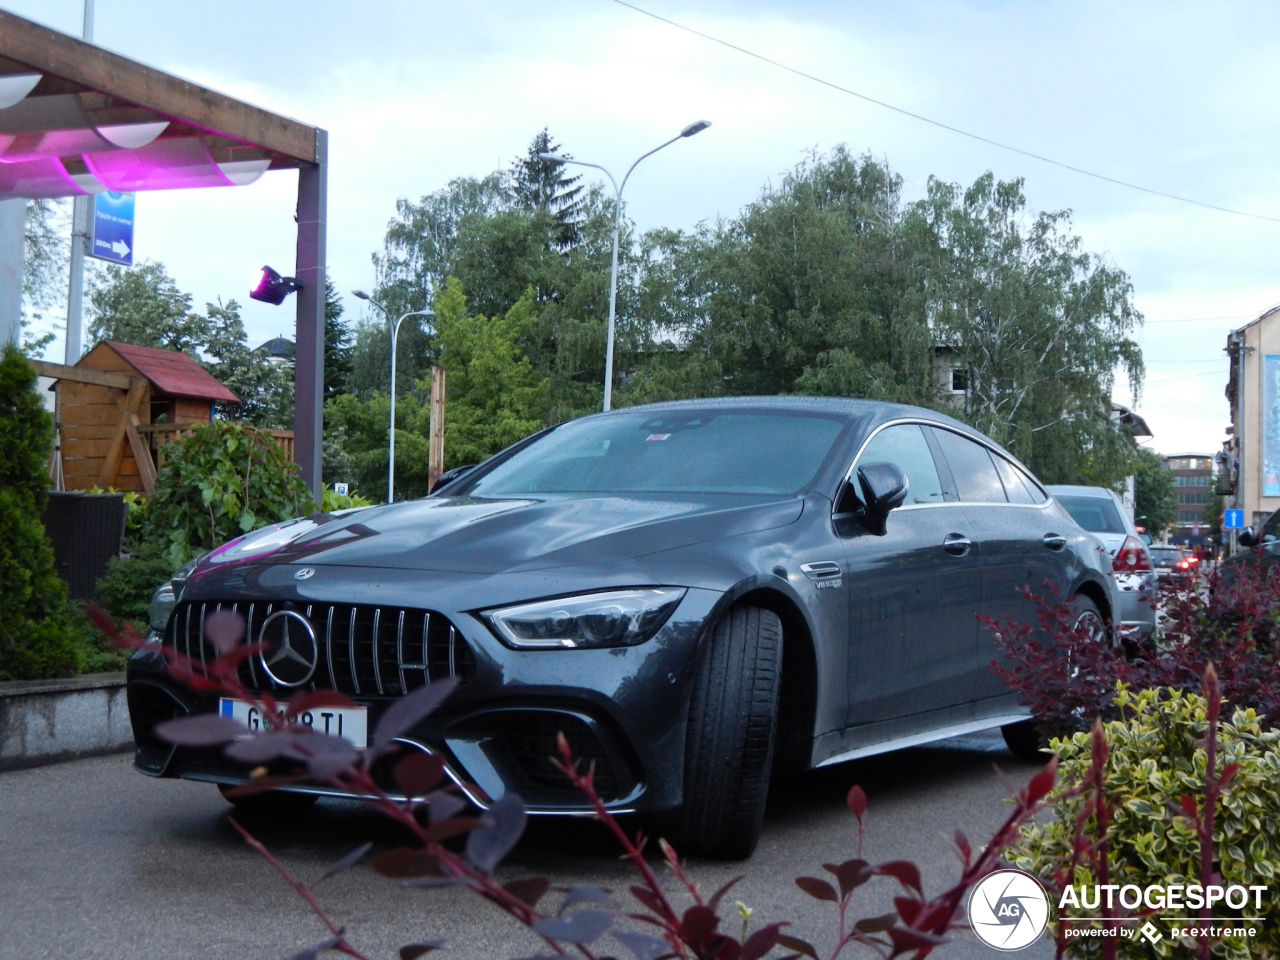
623	710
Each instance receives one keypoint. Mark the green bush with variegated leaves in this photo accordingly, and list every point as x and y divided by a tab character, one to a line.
1156	756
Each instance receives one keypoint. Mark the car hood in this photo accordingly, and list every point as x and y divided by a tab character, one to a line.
491	536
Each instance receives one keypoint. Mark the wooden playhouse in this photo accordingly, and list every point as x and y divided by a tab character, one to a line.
118	407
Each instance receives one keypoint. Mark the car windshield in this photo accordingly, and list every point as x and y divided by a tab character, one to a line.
691	451
1094	513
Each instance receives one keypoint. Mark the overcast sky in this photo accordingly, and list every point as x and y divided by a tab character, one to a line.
1177	97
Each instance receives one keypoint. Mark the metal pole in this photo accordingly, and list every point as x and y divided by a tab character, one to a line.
613	301
80	216
13	242
391	443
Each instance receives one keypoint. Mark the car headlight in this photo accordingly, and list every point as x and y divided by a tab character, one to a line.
169	593
162	602
615	618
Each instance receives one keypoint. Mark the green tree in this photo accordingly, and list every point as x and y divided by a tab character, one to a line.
1040	325
44	272
36	639
337	343
1213	517
263	384
1154	496
143	305
494	395
541	184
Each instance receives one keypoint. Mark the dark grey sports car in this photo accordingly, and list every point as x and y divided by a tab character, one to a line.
694	593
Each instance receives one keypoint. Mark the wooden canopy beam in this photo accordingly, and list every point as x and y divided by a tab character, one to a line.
51	52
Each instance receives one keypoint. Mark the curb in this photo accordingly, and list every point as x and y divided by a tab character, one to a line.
49	721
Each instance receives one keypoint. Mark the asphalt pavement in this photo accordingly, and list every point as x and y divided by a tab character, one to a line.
98	861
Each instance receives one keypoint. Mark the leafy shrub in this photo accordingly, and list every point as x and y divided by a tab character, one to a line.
36	638
1156	760
125	589
97	653
330	501
221	480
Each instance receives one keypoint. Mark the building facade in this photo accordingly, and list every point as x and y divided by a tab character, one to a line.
1193	482
1250	474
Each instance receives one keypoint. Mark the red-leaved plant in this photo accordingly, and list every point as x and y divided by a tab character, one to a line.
1231	620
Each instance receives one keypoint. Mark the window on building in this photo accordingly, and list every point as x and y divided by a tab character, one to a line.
959	379
1192	498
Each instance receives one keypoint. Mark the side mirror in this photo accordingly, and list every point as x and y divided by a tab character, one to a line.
449	476
1247	537
883	487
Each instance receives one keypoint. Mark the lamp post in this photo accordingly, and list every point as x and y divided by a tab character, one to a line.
688	131
395	333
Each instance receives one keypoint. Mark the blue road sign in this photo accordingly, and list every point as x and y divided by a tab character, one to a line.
1232	519
111	236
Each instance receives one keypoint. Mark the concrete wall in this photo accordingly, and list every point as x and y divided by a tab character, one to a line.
46	721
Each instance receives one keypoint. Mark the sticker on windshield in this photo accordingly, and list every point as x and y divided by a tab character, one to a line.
657	436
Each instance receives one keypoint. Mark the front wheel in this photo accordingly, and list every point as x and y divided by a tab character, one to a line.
1025	739
733	719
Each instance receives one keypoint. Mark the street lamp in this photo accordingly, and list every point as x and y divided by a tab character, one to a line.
395	333
688	131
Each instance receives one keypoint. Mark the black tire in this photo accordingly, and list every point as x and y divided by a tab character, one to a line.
1024	739
733	720
270	803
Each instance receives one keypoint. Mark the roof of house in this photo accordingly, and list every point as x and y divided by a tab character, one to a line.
173	372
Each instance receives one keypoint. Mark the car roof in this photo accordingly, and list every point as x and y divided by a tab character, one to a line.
848	407
1074	490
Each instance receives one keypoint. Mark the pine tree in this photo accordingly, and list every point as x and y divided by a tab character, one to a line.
540	184
337	344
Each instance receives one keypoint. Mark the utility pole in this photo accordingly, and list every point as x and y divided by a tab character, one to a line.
81	210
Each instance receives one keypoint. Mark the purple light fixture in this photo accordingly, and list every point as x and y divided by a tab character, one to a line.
269	287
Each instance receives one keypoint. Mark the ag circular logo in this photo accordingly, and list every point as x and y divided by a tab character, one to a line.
1008	910
291	653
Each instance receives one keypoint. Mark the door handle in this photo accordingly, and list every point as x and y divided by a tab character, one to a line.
956	544
1055	541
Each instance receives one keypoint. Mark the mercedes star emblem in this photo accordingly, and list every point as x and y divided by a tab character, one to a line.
291	653
306	573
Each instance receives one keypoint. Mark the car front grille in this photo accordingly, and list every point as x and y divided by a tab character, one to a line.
362	650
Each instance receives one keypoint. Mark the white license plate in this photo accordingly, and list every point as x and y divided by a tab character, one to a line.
350	723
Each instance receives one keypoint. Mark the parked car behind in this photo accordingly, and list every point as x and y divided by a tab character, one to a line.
1171	562
1102	513
693	593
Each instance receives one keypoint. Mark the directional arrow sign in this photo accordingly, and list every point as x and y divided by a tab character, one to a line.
111	236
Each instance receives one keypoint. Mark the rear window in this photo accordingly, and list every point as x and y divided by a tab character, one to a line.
1094	514
1165	554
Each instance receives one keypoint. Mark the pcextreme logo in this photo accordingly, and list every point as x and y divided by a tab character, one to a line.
1008	910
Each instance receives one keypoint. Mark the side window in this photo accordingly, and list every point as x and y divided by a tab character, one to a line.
905	447
1014	487
1038	494
971	467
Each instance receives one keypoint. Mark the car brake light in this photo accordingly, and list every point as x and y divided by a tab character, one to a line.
1131	558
